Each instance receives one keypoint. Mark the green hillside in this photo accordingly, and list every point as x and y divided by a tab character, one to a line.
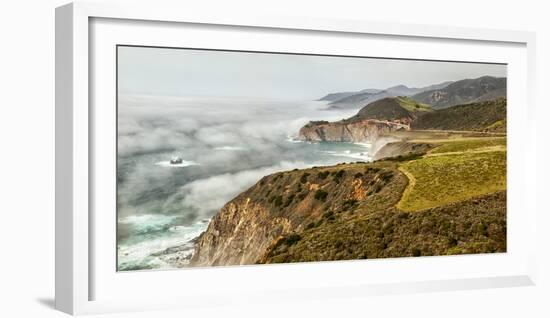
482	116
464	92
392	108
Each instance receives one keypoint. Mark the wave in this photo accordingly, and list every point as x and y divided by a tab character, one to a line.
363	144
153	252
147	223
354	154
364	156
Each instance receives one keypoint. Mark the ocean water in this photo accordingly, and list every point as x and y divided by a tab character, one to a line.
226	145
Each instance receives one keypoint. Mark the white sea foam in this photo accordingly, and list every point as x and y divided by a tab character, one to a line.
146	219
362	155
363	144
146	223
139	254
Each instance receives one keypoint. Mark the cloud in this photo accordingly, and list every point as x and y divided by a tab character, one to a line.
210	194
149	124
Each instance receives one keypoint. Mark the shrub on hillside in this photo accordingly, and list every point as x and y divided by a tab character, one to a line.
320	195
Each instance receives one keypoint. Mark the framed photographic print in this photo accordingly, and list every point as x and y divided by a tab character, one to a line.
234	155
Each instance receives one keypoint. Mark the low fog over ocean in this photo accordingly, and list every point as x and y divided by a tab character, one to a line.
226	145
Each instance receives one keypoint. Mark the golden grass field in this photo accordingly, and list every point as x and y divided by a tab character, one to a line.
457	169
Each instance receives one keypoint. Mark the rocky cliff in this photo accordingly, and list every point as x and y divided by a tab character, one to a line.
378	118
239	232
282	205
364	130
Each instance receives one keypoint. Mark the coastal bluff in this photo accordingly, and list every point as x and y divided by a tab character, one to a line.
365	130
372	121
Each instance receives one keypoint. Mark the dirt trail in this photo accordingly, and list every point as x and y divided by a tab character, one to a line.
408	189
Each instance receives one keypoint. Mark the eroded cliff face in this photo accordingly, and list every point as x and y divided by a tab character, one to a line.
366	130
238	232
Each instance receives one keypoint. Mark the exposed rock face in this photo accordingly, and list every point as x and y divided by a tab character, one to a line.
366	130
375	119
238	233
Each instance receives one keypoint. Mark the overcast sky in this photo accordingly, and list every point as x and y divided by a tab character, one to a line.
184	72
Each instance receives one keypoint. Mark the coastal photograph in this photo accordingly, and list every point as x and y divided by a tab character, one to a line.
229	158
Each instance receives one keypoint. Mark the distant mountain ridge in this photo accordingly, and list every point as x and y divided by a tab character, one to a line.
464	92
440	95
350	100
336	96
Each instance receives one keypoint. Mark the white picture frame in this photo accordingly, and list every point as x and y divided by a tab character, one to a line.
75	268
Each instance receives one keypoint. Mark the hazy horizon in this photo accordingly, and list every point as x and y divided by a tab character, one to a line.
194	72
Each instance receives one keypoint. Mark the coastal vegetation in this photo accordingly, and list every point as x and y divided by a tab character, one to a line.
481	116
450	199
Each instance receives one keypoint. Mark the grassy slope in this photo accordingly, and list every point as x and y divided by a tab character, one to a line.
455	170
452	200
470	145
451	178
412	105
392	108
482	116
463	92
